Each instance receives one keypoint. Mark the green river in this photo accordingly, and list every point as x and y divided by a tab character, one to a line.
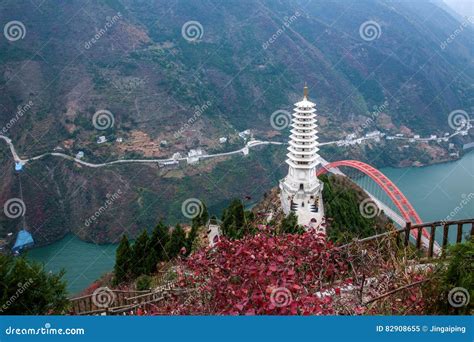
435	191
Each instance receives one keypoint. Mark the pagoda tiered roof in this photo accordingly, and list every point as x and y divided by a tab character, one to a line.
303	135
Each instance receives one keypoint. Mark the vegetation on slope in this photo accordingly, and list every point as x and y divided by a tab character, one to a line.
141	258
345	221
458	273
27	289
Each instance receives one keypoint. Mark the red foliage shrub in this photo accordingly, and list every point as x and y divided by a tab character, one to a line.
261	274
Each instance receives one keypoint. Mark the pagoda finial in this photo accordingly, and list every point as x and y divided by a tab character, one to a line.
305	91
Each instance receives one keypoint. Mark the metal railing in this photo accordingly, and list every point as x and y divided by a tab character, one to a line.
403	234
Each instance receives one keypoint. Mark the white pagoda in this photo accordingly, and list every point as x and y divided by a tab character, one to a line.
301	190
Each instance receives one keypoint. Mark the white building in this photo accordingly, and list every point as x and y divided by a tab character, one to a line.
223	140
244	134
169	163
193	155
80	155
102	139
373	134
301	190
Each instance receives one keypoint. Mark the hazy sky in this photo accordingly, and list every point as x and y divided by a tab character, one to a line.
462	7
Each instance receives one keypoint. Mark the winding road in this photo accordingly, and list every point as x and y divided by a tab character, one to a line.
244	150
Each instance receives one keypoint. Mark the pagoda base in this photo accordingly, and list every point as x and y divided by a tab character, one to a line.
307	205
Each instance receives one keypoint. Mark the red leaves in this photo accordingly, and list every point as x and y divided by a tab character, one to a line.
262	274
296	287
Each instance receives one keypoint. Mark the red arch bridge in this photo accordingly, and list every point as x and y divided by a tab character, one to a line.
407	214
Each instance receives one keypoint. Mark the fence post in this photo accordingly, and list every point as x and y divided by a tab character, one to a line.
445	238
459	235
418	238
432	240
407	233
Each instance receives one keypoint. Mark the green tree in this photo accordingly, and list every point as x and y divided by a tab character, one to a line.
151	261
192	237
202	218
453	277
122	268
341	201
140	252
159	239
197	222
143	282
289	225
27	289
176	242
235	220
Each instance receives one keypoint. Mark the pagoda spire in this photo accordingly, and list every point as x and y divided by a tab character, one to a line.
305	91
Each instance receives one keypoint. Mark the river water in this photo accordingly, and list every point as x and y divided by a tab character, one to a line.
436	192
